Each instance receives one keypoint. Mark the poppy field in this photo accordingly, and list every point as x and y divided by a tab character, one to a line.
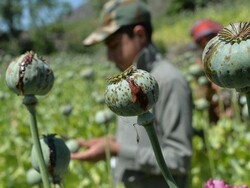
69	110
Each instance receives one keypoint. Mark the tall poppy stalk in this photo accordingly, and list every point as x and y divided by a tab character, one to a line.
133	93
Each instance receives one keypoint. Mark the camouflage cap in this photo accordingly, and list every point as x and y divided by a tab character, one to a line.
117	13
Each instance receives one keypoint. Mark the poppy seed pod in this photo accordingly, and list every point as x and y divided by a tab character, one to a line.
132	92
56	156
33	177
73	145
29	75
226	57
104	116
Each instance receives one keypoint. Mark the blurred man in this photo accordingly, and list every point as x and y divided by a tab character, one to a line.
202	32
126	31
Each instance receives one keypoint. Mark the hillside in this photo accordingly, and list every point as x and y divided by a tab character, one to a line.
169	29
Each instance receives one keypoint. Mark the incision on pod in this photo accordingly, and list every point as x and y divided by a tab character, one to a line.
56	156
137	94
27	60
29	74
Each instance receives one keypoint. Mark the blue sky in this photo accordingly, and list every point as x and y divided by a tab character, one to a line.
75	3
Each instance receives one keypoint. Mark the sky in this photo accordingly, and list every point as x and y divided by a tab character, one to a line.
75	3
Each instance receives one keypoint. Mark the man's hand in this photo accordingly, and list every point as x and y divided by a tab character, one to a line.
95	149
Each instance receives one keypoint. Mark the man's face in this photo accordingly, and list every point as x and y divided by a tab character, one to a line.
122	50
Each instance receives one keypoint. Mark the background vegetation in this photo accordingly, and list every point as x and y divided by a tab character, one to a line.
80	82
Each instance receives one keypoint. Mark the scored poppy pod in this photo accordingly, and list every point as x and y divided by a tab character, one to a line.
29	74
56	156
132	92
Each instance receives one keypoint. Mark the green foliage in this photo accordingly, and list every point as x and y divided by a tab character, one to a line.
177	6
41	13
42	42
70	87
75	33
45	12
10	14
11	46
221	152
172	30
97	5
224	153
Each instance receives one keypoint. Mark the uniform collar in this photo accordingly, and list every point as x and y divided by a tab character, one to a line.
147	58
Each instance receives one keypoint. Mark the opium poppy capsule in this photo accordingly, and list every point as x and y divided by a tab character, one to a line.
29	74
56	156
226	57
132	92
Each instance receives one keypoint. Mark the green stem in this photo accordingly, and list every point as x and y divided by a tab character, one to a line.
236	108
108	156
206	128
146	120
248	104
30	102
